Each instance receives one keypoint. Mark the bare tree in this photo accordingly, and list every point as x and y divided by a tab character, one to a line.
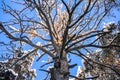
59	28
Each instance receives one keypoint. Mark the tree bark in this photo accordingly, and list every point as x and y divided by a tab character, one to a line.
61	69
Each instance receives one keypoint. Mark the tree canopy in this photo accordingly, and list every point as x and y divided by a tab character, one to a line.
61	29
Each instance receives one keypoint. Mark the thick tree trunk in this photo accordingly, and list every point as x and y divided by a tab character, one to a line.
61	69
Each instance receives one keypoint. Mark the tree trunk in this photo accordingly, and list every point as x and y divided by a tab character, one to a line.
61	69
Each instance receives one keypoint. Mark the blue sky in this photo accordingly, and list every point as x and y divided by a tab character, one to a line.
41	74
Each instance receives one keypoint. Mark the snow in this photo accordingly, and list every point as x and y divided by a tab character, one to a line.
13	72
4	61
